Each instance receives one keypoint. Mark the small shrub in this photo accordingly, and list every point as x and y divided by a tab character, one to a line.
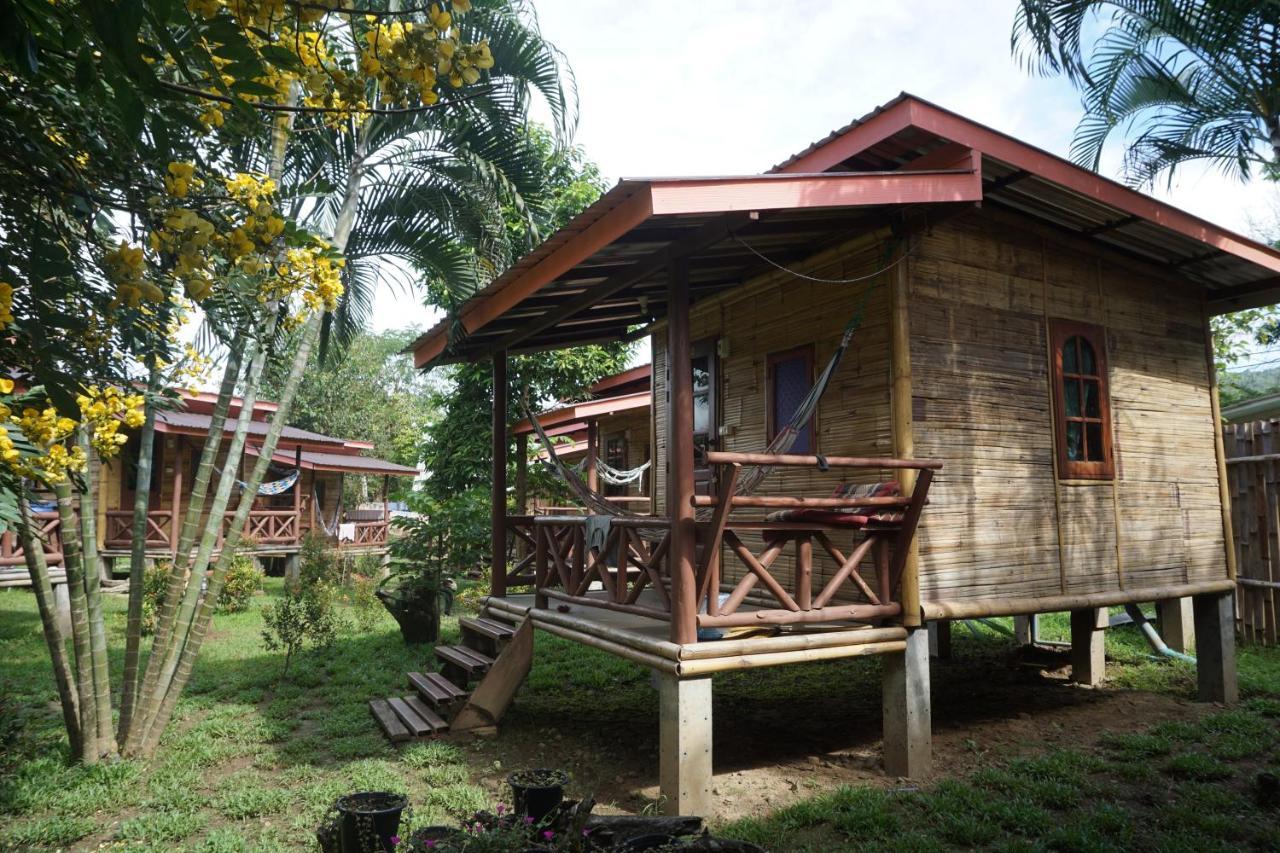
366	608
303	617
241	583
317	563
155	580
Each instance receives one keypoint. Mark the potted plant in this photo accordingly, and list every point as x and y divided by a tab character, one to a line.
412	591
369	821
537	792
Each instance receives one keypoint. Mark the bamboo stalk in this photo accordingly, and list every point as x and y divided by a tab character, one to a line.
781	501
137	561
1056	603
80	641
38	568
707	666
604	604
93	598
660	648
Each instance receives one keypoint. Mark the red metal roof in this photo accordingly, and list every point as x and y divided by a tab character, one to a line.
190	423
591	409
346	462
603	276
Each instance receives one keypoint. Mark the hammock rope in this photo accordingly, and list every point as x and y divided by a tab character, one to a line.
615	477
750	477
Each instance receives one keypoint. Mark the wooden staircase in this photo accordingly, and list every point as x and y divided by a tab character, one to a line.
494	654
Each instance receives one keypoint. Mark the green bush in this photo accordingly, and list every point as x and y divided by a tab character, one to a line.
241	583
303	617
154	582
317	563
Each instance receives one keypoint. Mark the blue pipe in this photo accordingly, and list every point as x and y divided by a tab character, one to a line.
1153	637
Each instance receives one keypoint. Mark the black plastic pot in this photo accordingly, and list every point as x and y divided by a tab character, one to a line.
537	800
368	820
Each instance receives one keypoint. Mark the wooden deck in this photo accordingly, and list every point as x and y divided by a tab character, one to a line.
645	640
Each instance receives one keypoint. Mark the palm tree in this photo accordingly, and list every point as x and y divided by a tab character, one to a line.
1184	80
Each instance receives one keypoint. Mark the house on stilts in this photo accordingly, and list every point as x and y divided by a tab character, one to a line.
303	495
608	436
1015	413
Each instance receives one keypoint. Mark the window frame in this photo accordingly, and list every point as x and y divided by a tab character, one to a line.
805	351
1060	332
610	490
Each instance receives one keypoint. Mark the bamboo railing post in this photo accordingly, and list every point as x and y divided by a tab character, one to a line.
682	552
900	418
1224	488
593	453
498	554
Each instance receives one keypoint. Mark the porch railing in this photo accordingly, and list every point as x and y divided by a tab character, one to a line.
49	527
633	556
119	533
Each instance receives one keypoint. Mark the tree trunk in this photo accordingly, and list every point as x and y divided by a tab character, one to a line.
33	554
93	598
138	560
80	641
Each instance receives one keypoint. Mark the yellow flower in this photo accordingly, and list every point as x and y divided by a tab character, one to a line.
6	304
6	386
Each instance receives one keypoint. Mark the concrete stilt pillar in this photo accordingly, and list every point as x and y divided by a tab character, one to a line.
940	639
1216	647
908	734
1088	645
1025	629
1177	625
292	567
62	604
684	744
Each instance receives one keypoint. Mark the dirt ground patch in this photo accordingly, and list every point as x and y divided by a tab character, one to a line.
775	750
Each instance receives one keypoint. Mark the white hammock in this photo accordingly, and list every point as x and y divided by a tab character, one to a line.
614	477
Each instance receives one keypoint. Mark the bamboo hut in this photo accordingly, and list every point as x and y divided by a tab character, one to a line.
1027	350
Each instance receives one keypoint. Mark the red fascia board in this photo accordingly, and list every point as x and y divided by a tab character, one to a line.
563	450
626	377
588	411
525	427
913	112
797	192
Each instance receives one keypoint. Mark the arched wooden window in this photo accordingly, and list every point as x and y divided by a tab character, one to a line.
1082	403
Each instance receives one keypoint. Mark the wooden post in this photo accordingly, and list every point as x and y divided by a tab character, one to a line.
940	639
900	420
522	473
297	495
1088	645
312	528
1216	647
908	737
175	523
1177	625
682	551
1219	451
498	558
684	738
1025	629
593	453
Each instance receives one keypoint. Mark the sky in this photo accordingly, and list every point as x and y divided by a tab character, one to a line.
722	87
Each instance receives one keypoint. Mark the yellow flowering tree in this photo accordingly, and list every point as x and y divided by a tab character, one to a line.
168	172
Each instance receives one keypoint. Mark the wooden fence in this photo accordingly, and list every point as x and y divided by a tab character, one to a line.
1253	471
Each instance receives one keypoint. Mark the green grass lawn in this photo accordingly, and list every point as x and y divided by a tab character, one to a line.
252	762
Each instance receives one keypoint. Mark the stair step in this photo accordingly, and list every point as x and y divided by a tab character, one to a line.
391	724
436	689
466	659
412	721
493	630
428	716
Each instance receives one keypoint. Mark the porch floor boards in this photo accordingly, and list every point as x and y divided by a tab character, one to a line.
647	641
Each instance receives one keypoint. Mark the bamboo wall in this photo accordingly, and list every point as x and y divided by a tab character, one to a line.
774	313
1000	523
1253	453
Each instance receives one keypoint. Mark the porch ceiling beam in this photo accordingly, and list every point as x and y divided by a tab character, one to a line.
1256	294
710	233
1112	225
